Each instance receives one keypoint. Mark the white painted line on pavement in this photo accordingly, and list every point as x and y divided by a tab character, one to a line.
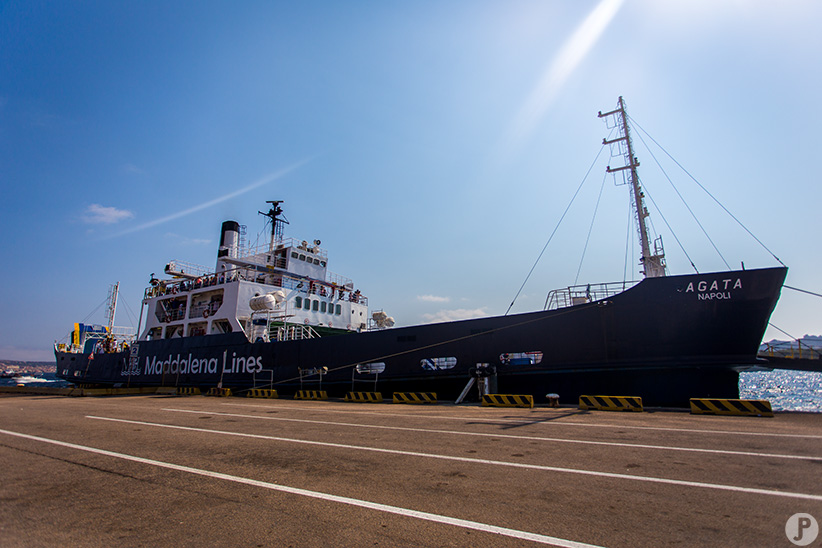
437	518
546	421
719	486
508	436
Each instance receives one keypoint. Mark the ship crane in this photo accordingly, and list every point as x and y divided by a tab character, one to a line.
653	263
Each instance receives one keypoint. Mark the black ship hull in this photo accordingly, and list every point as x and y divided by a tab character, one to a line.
666	339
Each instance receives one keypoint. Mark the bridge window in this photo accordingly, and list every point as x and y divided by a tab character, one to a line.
338	310
323	306
521	358
315	305
298	302
435	364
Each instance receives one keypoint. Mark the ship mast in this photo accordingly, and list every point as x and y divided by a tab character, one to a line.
653	263
277	223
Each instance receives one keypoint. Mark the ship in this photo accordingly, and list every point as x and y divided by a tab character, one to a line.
274	317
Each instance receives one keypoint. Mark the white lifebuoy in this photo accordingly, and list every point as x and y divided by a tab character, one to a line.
306	321
348	327
205	313
330	324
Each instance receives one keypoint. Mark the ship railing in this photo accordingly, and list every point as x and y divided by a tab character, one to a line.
333	285
162	288
122	331
109	341
189	270
260	259
339	280
582	294
268	325
159	288
295	243
200	310
174	314
292	332
800	351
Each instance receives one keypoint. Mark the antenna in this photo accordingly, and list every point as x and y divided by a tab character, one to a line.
278	220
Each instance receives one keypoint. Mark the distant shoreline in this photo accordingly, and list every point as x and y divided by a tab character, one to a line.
28	367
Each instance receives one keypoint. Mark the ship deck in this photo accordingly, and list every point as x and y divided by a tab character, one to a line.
166	470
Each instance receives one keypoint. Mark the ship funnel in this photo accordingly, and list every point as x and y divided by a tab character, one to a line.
229	244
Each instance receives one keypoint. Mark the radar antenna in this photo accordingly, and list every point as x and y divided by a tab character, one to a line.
278	221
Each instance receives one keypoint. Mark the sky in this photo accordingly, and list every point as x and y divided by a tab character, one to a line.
433	146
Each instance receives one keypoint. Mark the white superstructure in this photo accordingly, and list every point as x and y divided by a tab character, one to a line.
282	290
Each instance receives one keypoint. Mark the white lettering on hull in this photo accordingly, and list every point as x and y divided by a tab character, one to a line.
175	365
709	290
714	296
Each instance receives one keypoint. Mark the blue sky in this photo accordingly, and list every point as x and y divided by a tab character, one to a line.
431	146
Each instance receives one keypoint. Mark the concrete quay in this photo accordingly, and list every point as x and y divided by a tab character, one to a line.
166	470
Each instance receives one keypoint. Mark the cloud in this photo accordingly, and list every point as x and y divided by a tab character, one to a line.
133	169
258	183
571	54
454	315
433	299
184	240
100	215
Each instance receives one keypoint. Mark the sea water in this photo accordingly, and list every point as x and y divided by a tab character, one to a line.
46	379
786	390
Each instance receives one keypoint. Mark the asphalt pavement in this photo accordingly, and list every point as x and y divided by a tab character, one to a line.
154	470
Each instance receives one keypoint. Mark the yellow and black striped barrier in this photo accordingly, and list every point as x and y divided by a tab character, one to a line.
188	391
722	406
363	397
415	397
508	400
311	395
222	392
261	393
611	403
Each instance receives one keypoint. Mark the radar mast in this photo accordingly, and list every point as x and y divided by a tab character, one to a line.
278	221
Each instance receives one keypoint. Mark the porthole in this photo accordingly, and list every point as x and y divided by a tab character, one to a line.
436	364
370	368
521	358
